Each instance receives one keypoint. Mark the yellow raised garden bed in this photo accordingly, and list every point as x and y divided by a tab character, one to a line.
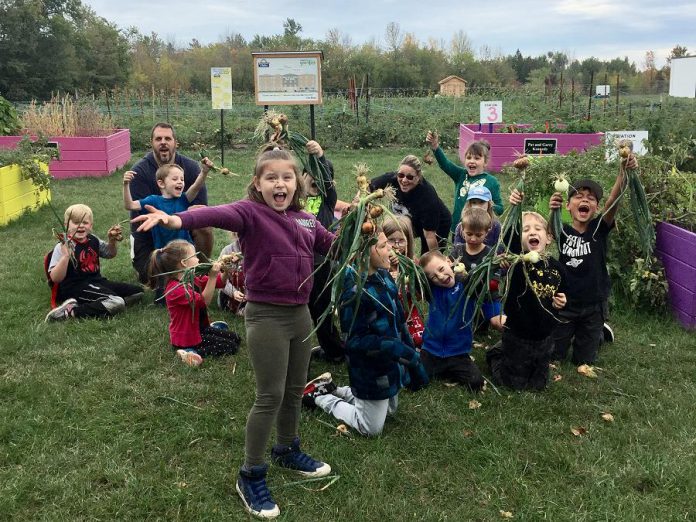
18	195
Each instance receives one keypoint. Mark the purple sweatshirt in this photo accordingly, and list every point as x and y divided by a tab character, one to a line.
278	247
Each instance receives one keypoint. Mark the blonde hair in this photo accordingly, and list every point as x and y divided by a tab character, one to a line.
274	152
77	212
476	219
165	169
489	208
413	162
535	215
402	224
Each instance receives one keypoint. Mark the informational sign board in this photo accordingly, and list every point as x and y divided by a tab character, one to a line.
221	87
682	77
491	112
637	137
540	146
603	90
288	78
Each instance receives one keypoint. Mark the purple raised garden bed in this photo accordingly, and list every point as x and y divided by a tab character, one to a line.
91	156
676	247
506	146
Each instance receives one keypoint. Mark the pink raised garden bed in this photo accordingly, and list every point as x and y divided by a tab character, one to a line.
505	147
92	156
676	247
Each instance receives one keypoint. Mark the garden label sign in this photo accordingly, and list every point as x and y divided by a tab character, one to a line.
491	112
287	78
540	146
637	137
221	87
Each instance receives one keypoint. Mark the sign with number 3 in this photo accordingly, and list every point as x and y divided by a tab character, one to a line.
491	112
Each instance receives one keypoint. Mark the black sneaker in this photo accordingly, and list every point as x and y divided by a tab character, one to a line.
251	486
318	353
608	333
322	385
291	457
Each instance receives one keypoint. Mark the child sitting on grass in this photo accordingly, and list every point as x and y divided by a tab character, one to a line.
189	327
584	255
74	267
381	356
535	294
448	334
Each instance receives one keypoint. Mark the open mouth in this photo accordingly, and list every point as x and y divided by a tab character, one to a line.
533	242
280	197
584	209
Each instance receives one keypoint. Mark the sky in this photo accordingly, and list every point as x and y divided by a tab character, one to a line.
580	28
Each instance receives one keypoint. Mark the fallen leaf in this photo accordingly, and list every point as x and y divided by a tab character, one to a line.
342	429
608	417
450	384
478	345
579	431
474	404
652	345
552	366
506	514
181	485
587	371
557	377
467	433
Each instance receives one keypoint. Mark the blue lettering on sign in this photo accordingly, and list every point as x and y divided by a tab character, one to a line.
264	63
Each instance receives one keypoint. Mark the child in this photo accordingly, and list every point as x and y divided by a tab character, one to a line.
381	356
480	197
330	348
400	238
584	256
189	327
278	242
231	297
170	180
74	267
448	331
535	293
473	174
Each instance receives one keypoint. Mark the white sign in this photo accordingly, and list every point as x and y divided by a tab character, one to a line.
638	138
221	87
602	90
491	112
287	78
682	77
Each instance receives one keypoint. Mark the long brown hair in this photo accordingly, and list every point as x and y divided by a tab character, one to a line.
402	224
166	259
274	152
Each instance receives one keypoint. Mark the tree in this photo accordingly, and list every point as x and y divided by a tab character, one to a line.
679	51
393	36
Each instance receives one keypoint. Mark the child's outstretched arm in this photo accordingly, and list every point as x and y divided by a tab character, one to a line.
209	290
128	202
112	240
453	171
197	185
611	205
156	217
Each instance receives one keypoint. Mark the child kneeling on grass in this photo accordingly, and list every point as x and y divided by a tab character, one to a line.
74	267
535	294
381	355
190	331
448	334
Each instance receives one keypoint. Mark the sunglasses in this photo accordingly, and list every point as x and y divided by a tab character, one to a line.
402	175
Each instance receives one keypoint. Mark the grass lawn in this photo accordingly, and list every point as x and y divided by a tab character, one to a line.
99	420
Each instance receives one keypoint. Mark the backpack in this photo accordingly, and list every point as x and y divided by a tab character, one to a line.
53	286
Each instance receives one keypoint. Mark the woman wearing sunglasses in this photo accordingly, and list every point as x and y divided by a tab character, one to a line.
417	198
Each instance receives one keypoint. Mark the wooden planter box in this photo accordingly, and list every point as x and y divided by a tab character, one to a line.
18	195
676	247
505	146
85	156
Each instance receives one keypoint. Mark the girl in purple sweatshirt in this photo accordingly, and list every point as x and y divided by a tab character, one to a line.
278	241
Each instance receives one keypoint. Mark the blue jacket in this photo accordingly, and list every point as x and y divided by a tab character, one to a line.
378	347
448	330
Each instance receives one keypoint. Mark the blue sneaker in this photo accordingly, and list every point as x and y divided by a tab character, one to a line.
292	458
251	486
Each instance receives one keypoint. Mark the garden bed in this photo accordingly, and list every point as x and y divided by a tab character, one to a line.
505	147
676	247
18	195
92	156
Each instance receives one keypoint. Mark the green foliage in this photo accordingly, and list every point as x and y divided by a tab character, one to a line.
9	122
29	156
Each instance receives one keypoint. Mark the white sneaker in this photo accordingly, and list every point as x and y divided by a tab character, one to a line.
608	333
190	358
62	312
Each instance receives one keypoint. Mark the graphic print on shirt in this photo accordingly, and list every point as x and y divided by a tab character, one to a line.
575	247
400	209
88	261
466	185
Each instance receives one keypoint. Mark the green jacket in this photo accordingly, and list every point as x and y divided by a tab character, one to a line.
463	182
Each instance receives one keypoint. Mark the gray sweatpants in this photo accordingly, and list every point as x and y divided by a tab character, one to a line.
279	355
363	415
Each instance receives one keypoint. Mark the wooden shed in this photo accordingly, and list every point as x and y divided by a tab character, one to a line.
452	86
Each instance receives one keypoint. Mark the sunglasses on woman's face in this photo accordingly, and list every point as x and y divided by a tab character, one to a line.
402	175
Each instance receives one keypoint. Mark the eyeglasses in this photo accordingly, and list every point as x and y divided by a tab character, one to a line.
397	242
402	175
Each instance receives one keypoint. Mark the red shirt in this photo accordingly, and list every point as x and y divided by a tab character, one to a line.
186	306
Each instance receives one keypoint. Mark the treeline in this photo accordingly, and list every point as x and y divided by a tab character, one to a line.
49	46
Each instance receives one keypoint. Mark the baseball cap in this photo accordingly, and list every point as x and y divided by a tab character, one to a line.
479	192
593	186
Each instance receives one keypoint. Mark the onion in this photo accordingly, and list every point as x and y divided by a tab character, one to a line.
532	257
561	185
